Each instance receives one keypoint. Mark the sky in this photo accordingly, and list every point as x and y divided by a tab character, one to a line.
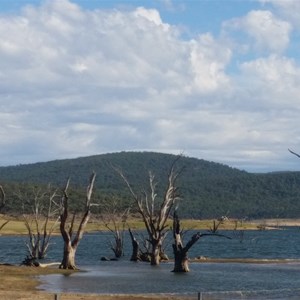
213	79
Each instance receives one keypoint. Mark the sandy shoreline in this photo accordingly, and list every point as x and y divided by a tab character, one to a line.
278	222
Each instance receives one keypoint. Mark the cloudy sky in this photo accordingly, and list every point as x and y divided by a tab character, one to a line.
212	79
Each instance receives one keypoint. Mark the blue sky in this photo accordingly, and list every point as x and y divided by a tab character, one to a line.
196	15
213	79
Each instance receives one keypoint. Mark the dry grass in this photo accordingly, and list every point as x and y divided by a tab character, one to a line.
16	226
21	278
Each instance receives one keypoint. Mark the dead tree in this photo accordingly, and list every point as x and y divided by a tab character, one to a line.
136	253
181	260
2	205
3	198
71	243
41	220
215	226
141	248
298	155
155	215
238	234
114	219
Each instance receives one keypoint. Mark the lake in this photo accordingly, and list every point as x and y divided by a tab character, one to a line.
218	280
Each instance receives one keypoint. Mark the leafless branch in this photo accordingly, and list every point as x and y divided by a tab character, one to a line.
6	222
155	216
294	153
3	198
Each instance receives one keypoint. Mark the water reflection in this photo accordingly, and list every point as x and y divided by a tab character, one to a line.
133	278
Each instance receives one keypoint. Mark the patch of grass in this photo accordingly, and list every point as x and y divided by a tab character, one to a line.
21	283
14	278
16	226
13	227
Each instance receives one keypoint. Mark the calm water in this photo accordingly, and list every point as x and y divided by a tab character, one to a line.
270	280
223	280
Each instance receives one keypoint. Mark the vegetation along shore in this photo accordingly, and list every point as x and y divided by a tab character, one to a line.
16	225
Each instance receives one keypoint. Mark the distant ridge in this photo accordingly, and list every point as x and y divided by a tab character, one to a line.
208	189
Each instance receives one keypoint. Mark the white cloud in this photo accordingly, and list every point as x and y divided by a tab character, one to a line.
268	32
77	82
151	15
209	60
288	9
275	80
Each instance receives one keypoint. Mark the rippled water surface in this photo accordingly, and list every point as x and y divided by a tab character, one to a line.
228	280
270	244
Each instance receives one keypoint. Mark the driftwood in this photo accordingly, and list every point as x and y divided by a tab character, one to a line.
32	262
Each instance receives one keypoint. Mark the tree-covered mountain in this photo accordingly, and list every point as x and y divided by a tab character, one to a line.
208	189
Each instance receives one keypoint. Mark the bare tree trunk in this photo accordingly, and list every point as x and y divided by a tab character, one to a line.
70	245
68	261
180	251
156	251
137	253
181	263
118	247
135	256
3	198
2	204
181	260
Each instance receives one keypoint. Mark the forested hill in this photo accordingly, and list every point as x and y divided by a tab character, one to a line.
208	189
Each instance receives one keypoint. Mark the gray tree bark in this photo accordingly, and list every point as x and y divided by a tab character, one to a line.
70	243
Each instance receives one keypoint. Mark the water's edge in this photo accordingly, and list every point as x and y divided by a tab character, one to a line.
252	262
248	280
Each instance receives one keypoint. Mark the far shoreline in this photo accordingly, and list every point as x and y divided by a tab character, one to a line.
16	225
